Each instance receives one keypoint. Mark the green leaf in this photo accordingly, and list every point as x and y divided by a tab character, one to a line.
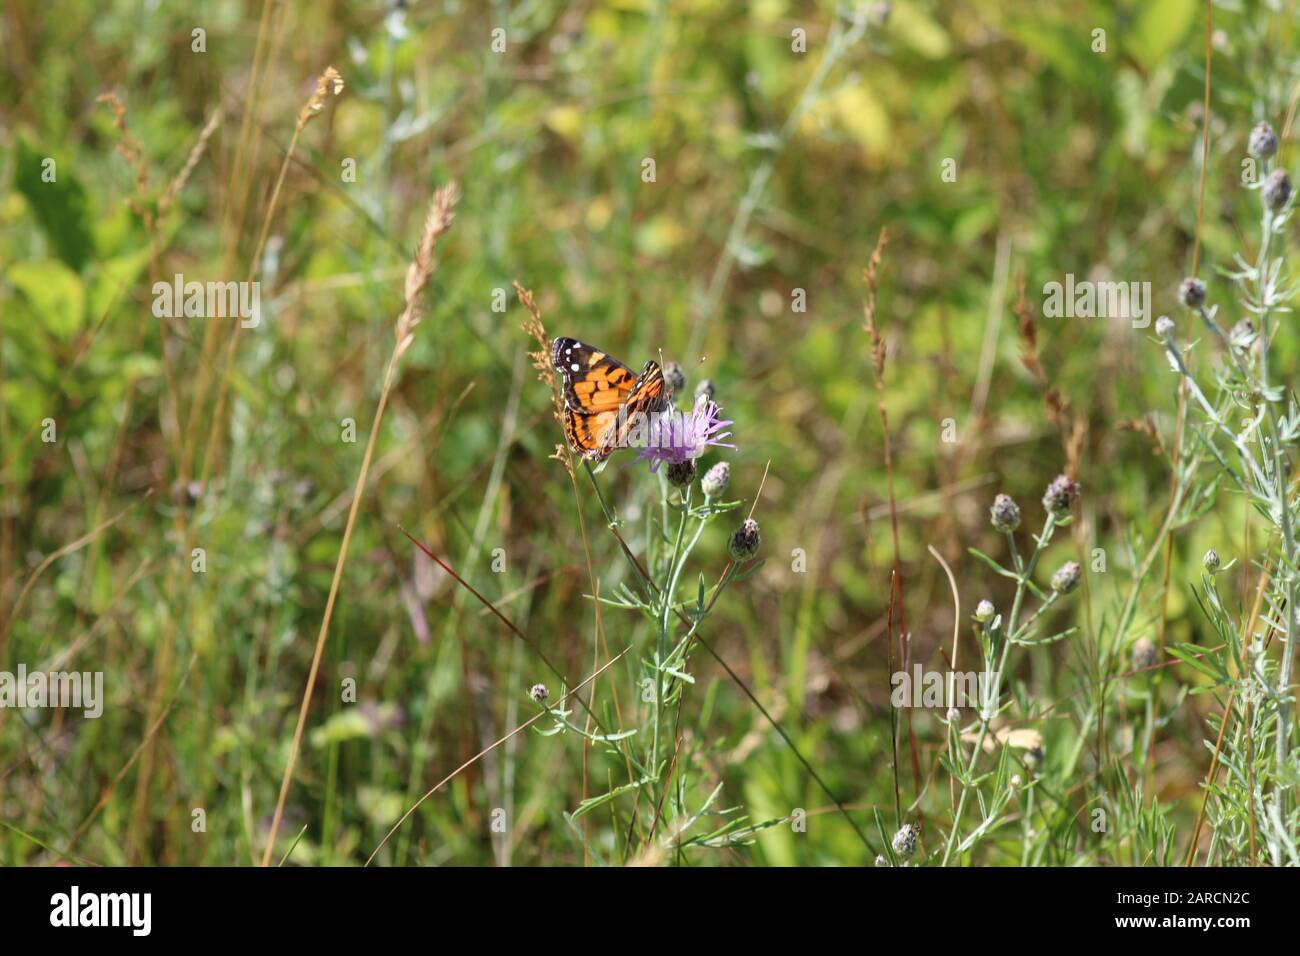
53	292
1161	26
1194	656
993	564
60	206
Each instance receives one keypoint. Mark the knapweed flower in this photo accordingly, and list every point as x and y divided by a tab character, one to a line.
745	541
539	693
904	842
715	480
1276	189
1191	292
1066	578
1005	514
675	436
682	473
1060	495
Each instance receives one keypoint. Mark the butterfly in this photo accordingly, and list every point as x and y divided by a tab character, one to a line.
603	399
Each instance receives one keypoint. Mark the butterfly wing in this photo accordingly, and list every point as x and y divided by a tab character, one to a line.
594	381
603	399
649	394
596	386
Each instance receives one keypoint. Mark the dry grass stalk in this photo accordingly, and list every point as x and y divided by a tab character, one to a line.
1143	427
1027	326
896	617
130	150
1074	428
532	326
329	83
196	153
442	211
878	348
436	223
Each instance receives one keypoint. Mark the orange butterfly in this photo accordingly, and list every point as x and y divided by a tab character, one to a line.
603	399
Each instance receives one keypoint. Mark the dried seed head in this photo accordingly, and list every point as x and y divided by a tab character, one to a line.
1066	578
745	540
904	842
1276	189
329	83
1262	142
1005	514
682	473
1144	654
674	377
715	480
1191	292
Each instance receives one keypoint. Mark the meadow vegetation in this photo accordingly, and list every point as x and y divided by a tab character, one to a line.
354	603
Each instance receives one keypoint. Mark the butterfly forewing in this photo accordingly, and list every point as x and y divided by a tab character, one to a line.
594	381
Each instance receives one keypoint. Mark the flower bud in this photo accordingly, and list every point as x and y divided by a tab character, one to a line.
715	480
1276	189
1164	327
1262	142
1191	292
1144	654
674	377
984	612
539	693
1060	495
1066	578
904	842
745	541
1211	560
705	388
1005	514
681	473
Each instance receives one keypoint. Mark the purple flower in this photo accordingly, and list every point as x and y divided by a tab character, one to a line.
675	436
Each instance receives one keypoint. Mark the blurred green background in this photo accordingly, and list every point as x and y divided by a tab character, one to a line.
774	171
